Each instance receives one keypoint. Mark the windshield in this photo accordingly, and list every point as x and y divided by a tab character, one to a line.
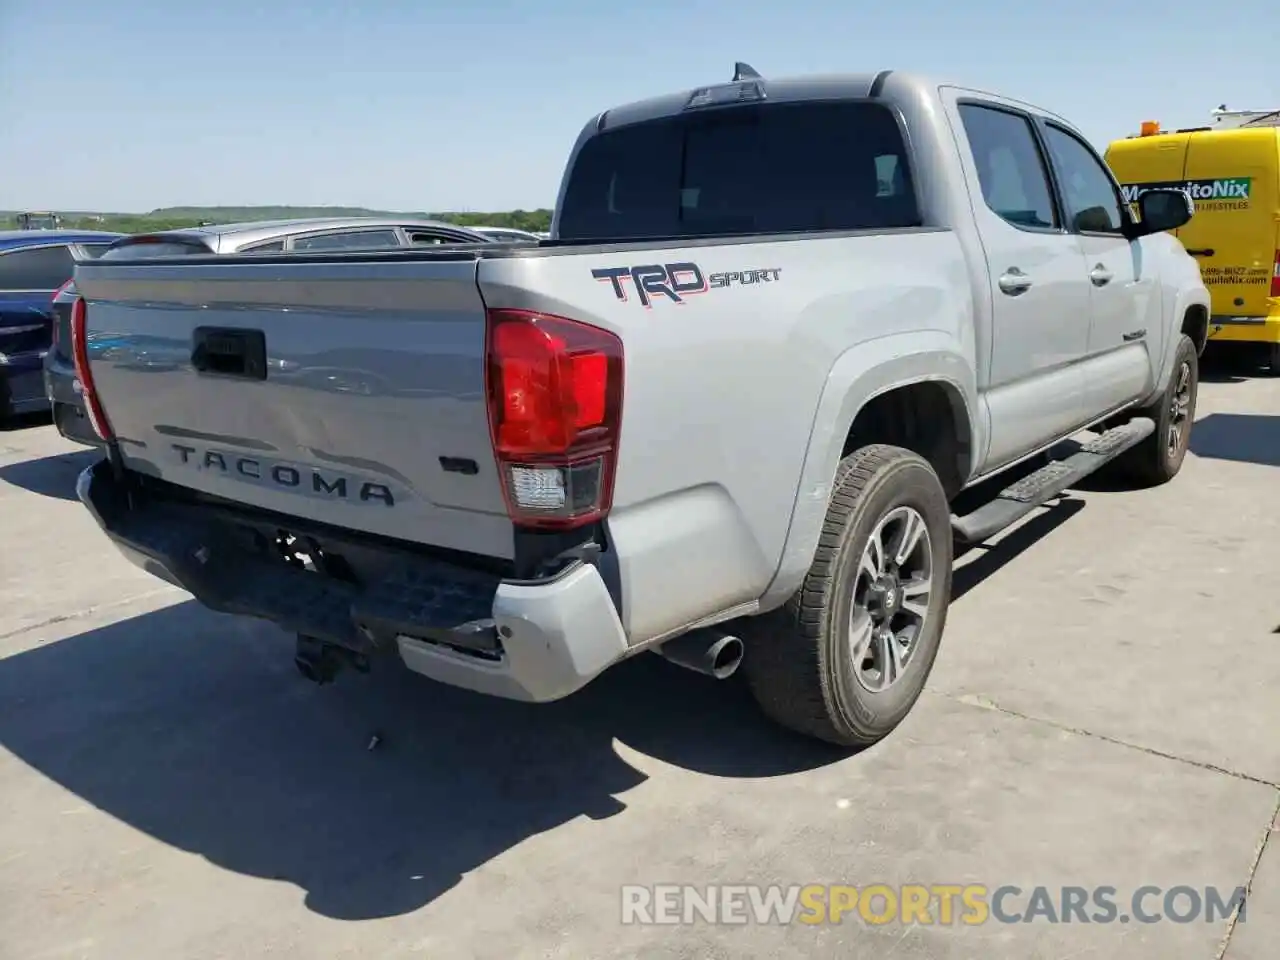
776	168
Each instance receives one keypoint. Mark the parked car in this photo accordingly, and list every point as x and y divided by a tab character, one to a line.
320	233
726	416
33	264
1233	175
508	234
276	236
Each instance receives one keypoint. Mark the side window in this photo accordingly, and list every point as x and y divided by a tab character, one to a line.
1090	196
351	240
275	246
1015	183
92	251
42	268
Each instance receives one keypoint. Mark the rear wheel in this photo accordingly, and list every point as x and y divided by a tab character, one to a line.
846	658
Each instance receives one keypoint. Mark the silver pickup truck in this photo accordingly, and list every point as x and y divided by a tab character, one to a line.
724	414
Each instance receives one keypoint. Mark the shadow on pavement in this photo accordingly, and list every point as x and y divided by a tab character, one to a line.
50	476
1225	361
25	421
988	560
196	729
1241	437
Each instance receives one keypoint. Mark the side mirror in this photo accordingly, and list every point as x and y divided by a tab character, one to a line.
1162	209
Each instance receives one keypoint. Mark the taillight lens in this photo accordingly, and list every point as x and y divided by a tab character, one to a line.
1275	277
555	411
80	356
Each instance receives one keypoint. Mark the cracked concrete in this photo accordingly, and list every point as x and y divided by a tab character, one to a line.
1103	712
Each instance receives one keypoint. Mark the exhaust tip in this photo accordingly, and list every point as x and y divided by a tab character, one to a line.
714	655
724	657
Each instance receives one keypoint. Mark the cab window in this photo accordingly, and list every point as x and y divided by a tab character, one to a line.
1090	197
748	169
1011	170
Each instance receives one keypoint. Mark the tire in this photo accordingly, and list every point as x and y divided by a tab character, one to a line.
799	659
1158	459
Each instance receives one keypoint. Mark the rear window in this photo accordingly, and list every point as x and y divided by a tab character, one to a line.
771	168
146	249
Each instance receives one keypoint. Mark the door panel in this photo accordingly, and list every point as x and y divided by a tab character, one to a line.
1118	367
1125	329
1039	290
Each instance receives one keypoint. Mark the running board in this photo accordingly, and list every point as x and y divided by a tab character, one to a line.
1017	500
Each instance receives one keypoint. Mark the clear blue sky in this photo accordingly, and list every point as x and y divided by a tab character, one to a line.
128	105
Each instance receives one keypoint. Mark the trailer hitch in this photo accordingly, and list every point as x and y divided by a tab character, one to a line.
320	662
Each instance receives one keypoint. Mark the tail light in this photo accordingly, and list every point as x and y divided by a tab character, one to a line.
554	391
1275	277
80	355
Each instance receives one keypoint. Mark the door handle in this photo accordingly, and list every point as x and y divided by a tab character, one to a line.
1100	276
1206	252
1013	282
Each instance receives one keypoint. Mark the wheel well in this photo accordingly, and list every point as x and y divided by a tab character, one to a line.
928	418
1196	326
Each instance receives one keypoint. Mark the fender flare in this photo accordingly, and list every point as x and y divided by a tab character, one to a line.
1186	298
859	375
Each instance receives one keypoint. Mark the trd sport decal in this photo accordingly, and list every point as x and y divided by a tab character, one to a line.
677	281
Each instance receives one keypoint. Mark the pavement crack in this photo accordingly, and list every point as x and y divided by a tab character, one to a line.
85	612
986	703
1273	827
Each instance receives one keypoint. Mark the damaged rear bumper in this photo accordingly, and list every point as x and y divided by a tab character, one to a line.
524	640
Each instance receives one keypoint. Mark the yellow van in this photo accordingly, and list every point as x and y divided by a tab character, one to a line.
1233	175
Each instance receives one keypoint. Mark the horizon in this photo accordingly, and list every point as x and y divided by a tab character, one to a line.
411	109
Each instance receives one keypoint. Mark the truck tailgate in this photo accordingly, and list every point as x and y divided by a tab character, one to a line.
349	392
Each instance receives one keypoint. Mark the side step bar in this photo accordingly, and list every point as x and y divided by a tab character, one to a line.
1036	489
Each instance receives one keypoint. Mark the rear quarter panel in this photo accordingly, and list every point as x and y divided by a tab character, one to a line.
738	398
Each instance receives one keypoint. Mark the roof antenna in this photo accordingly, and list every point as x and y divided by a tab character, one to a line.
744	71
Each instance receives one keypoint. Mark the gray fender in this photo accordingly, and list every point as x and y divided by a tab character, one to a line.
1183	300
860	374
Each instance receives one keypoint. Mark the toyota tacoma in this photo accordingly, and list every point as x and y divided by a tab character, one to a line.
724	414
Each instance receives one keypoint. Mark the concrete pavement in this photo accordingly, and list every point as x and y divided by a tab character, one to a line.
1103	712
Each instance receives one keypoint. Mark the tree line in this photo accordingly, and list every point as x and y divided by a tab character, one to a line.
173	218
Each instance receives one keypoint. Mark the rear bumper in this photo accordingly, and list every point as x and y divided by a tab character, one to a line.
526	640
1264	329
22	384
63	390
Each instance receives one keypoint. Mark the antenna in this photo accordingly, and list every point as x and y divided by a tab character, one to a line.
744	71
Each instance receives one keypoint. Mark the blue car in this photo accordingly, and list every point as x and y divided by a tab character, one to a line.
34	264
